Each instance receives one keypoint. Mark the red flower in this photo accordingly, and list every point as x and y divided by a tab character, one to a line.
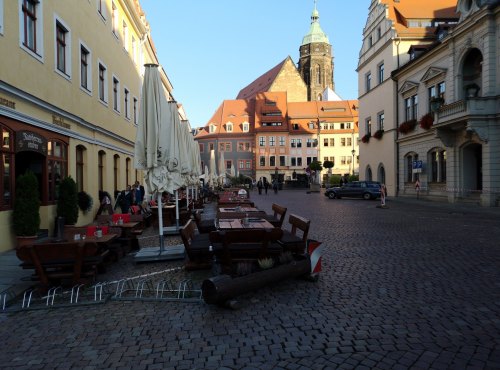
407	126
426	121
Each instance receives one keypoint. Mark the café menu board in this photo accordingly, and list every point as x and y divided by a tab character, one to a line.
30	141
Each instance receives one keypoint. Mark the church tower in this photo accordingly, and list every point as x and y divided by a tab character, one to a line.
316	61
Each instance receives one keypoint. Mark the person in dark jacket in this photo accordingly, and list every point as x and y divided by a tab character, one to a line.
125	199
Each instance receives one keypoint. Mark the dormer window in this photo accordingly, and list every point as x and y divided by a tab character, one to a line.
246	127
229	127
295	126
211	129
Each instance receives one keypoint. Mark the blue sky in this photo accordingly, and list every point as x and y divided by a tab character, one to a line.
212	49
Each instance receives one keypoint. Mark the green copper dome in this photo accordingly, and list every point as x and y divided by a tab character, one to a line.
315	34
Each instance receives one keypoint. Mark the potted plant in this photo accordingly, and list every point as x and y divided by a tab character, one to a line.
426	121
407	126
67	203
378	134
315	166
85	201
26	214
366	138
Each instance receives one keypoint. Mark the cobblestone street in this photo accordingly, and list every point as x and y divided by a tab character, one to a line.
414	286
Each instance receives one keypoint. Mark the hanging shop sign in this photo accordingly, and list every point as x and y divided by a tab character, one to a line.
30	141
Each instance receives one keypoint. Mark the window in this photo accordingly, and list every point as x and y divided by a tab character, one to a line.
368	126
281	141
348	125
211	129
368	81
262	141
272	161
380	121
114	19
125	35
85	69
282	161
246	127
311	125
262	161
342	141
294	162
370	41
61	48
211	146
30	27
438	165
126	97
225	147
116	165
100	169
244	147
116	94
135	110
103	79
293	143
134	50
299	161
299	143
57	167
272	141
79	167
295	126
348	141
325	142
318	74
6	167
202	147
409	175
127	170
381	73
310	143
229	127
101	8
411	107
1	17
379	33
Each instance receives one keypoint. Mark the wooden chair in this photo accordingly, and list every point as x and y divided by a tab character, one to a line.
245	246
292	241
197	247
278	216
204	225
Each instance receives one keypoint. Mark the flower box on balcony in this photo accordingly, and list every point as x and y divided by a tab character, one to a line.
407	126
427	121
378	134
366	138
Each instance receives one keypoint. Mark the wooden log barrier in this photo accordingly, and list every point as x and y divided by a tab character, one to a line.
220	289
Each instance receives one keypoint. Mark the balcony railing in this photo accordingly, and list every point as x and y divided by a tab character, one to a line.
477	107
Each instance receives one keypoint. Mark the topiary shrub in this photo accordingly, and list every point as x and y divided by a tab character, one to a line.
67	203
85	201
26	214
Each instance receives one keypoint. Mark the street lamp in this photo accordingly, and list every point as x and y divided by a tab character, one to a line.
353	153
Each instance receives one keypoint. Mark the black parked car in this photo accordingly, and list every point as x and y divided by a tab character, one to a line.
355	189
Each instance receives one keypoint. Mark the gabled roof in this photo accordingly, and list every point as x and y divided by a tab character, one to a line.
262	83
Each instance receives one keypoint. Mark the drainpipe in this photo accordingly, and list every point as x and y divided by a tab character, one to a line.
398	41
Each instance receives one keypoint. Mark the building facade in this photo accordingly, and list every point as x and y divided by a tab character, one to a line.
454	133
391	29
70	81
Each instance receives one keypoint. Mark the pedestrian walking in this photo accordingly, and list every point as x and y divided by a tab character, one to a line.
275	186
266	184
260	185
104	203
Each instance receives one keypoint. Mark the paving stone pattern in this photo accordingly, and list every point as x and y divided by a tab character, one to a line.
414	286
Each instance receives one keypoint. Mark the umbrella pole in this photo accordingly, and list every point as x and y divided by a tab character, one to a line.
160	221
177	209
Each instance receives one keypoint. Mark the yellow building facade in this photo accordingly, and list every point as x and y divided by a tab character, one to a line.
70	82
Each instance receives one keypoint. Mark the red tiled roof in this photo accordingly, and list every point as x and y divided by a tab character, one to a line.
262	83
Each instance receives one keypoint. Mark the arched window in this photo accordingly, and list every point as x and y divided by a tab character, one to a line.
318	74
80	164
116	164
57	167
472	72
6	168
127	171
409	175
369	176
100	169
437	161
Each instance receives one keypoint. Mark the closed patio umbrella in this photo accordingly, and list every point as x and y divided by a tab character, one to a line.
157	150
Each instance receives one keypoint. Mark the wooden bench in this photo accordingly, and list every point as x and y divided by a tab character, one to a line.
197	247
247	245
66	263
204	225
291	240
